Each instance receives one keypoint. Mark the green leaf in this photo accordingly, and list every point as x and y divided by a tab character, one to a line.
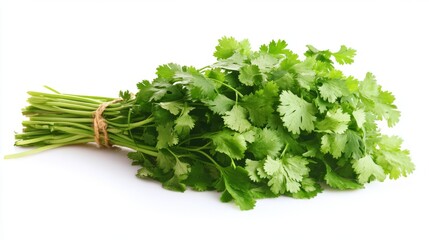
369	88
238	187
234	63
360	117
250	75
296	113
166	136
385	109
305	75
167	71
230	143
184	123
275	48
199	177
336	181
260	104
309	189
336	121
267	143
333	89
252	168
174	184
286	174
265	62
367	170
228	46
181	169
220	104
344	55
354	147
395	161
199	86
173	107
165	160
236	119
334	144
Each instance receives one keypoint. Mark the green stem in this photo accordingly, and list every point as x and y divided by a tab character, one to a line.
228	86
41	149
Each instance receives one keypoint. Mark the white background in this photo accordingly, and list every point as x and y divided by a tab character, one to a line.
100	47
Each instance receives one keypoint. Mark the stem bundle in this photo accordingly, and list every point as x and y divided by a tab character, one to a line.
56	120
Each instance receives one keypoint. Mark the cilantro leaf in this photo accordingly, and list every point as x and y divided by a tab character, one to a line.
334	144
184	123
230	143
305	75
336	181
369	88
336	121
173	107
309	189
344	55
199	178
234	63
368	169
199	86
333	89
265	62
236	119
228	46
275	47
395	161
296	113
166	136
165	160
174	184
267	143
354	147
250	75
167	71
238	187
220	104
286	173
260	104
252	168
360	117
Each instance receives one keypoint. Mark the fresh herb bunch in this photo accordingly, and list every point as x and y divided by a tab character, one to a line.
254	124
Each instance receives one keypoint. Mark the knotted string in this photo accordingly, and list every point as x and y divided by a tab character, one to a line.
100	125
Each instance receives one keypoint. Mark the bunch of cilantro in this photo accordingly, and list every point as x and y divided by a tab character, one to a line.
256	124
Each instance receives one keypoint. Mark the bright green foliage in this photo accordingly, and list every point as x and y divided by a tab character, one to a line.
253	124
230	143
237	186
266	143
360	117
228	46
286	173
389	155
345	55
220	104
366	169
166	136
260	104
332	89
336	121
236	119
250	75
336	181
334	144
297	114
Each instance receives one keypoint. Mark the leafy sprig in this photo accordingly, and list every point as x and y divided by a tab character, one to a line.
252	125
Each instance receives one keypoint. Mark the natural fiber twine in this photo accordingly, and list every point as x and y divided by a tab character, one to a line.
101	136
